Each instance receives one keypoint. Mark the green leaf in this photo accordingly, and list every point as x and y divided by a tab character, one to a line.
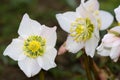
79	54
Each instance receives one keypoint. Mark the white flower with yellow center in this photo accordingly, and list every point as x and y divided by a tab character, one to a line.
34	48
110	45
83	26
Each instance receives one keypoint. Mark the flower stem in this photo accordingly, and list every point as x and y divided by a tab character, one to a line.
41	75
87	66
94	68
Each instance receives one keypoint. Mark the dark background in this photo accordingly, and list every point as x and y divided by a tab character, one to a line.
69	66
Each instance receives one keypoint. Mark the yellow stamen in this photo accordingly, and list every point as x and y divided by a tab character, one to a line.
96	12
81	29
99	23
96	15
34	46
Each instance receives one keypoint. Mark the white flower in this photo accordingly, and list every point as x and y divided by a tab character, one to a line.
103	18
83	26
110	45
34	48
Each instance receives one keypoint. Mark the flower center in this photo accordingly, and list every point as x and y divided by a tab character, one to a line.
81	29
34	46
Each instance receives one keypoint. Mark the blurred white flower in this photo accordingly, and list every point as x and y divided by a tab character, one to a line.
110	45
83	26
34	48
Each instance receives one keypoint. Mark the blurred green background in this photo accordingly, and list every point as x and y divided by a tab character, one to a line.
69	66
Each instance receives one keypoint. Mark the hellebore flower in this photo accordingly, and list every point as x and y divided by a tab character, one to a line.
110	45
34	48
83	26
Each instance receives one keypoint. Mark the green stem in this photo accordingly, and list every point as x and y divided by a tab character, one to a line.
87	67
94	68
41	75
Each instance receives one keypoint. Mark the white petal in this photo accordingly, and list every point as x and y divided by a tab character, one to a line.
29	27
115	60
51	53
82	11
116	29
101	50
109	40
73	46
50	35
90	5
14	49
65	20
29	66
104	52
91	45
96	32
21	57
115	53
85	13
47	61
116	43
117	13
106	19
100	47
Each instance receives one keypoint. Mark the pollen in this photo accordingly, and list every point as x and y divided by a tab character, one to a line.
81	29
34	46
